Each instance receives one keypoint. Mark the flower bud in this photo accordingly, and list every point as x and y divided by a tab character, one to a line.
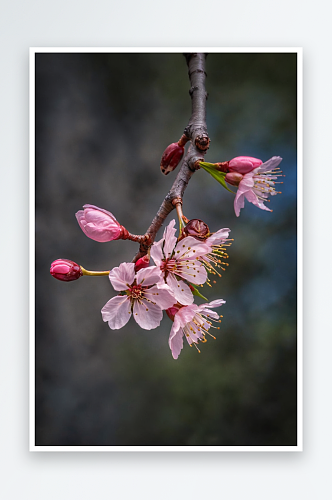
243	164
65	270
142	263
171	157
171	311
196	228
233	178
99	224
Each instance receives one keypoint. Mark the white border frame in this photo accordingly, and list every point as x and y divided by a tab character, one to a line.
299	52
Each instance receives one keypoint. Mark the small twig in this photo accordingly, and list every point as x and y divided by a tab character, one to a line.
196	132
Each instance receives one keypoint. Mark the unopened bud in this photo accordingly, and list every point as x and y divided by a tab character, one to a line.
142	263
99	224
233	178
196	228
171	311
171	157
65	270
243	164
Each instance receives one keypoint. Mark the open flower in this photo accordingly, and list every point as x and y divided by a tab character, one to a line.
193	322
180	259
143	297
99	224
213	260
256	185
217	242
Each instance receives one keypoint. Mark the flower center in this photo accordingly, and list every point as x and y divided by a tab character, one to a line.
135	292
168	265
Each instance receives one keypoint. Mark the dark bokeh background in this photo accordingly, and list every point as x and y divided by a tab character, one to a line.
102	123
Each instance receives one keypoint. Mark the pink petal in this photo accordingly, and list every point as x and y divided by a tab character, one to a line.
246	183
185	315
238	203
161	295
117	311
175	341
122	276
270	164
148	276
215	303
192	271
218	237
190	248
156	252
245	186
147	315
181	291
252	198
170	239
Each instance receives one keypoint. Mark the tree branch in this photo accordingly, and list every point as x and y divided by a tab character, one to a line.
196	131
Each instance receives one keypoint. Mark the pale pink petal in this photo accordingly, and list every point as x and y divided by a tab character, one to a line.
181	291
215	303
161	295
190	248
157	252
270	164
238	203
122	276
185	315
117	311
170	239
175	341
247	183
147	315
218	237
250	195
208	312
148	276
245	186
192	271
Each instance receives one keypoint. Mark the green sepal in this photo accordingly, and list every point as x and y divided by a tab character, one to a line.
196	292
218	176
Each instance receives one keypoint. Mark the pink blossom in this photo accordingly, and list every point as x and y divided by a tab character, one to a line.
65	270
243	164
142	263
144	297
99	224
180	259
194	323
213	260
257	185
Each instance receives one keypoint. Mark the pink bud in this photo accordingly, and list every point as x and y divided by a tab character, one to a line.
171	157
233	178
243	164
65	270
171	311
99	224
142	263
196	228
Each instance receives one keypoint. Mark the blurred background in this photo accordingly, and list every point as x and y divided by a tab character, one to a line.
102	124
